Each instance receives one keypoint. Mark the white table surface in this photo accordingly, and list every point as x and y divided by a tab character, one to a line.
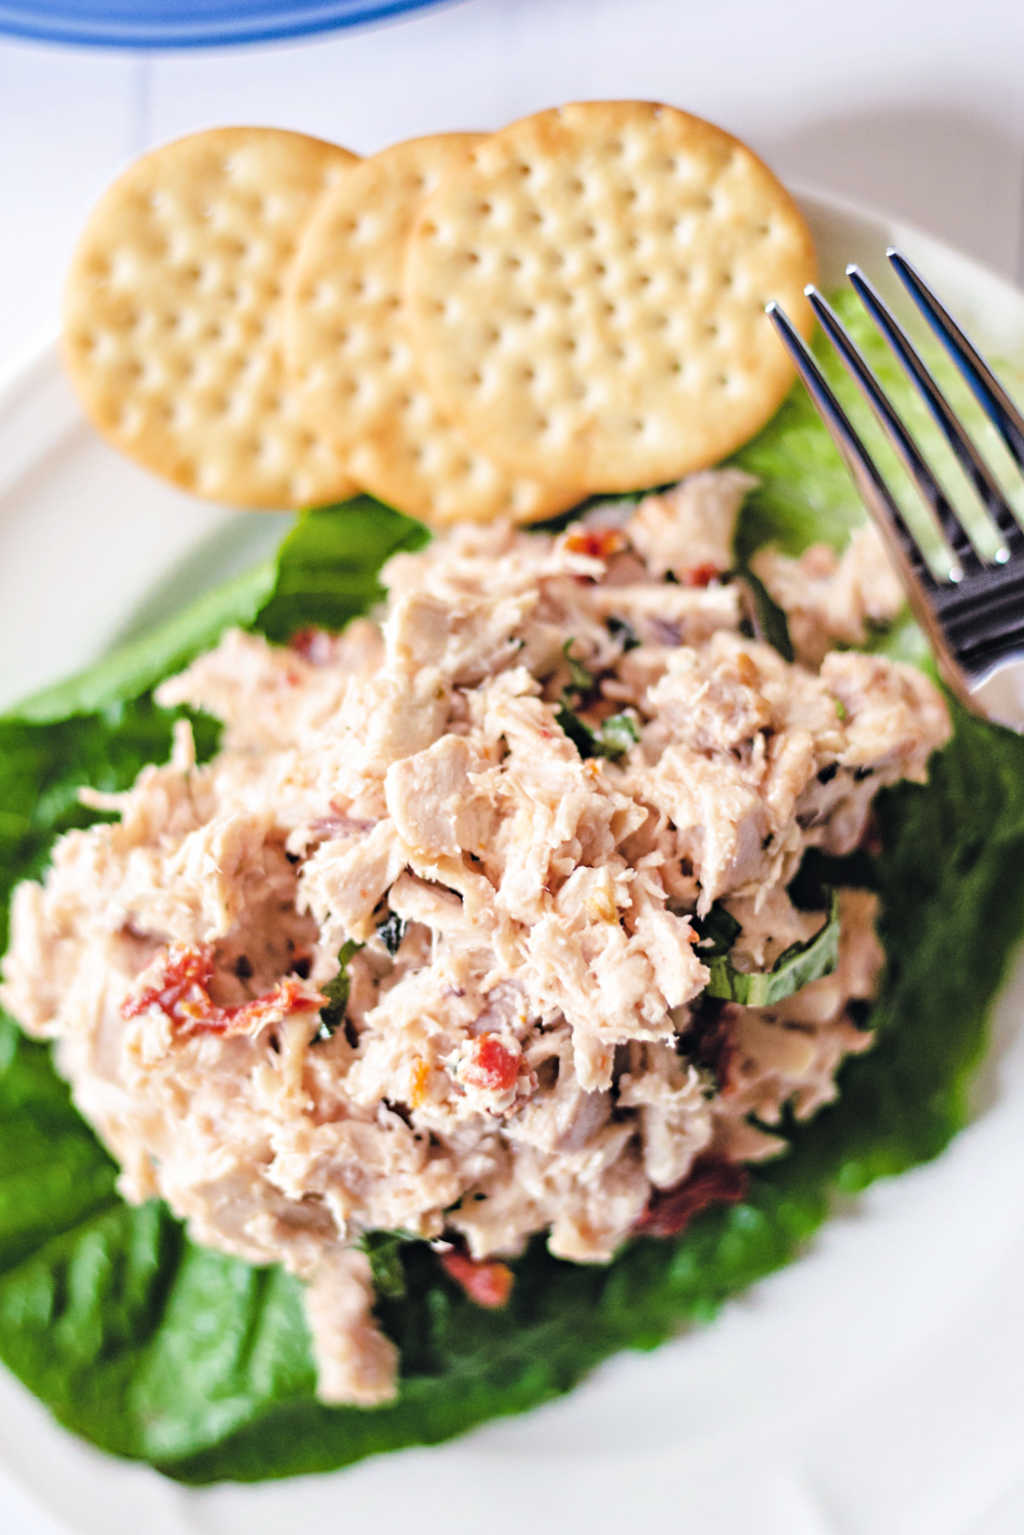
916	106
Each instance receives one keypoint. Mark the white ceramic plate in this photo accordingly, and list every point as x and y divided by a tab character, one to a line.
871	1387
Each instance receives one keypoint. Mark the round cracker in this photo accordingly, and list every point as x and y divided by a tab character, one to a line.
586	296
349	357
173	313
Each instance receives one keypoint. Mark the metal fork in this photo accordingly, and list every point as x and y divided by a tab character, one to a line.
973	611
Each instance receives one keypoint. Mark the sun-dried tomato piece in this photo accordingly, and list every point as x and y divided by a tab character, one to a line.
181	990
314	645
709	1182
487	1284
597	543
182	995
700	575
290	995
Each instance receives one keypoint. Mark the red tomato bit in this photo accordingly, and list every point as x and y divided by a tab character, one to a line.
288	996
314	645
598	543
709	1182
486	1284
492	1065
181	990
700	575
182	995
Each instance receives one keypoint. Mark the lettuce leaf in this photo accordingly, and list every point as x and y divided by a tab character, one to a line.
154	1348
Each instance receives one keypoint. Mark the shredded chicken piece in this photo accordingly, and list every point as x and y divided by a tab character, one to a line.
526	1044
357	1362
833	599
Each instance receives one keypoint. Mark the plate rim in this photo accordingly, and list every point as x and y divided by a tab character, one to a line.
23	22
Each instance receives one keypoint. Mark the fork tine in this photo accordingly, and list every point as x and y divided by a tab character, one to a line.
873	490
928	487
970	460
977	374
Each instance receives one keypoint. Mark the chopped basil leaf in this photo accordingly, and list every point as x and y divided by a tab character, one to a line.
617	734
622	629
332	1014
796	967
581	735
769	620
719	930
841	710
613	737
391	931
581	678
384	1250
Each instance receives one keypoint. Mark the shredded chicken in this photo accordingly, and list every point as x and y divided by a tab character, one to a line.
833	598
527	1044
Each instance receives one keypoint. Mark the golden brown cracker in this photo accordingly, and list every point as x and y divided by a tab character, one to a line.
350	362
586	295
173	312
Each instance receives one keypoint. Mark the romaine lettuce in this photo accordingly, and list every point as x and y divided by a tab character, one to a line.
154	1348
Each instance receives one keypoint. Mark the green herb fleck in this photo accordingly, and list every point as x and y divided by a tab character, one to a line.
769	620
719	930
384	1250
796	967
581	735
841	710
617	734
622	629
613	737
332	1014
391	931
581	679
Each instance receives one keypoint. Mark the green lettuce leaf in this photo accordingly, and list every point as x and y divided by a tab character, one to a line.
328	568
152	1347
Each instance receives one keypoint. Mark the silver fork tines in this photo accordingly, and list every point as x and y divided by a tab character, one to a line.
980	379
973	611
974	466
928	487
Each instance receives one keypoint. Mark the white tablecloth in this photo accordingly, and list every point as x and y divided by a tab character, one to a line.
916	106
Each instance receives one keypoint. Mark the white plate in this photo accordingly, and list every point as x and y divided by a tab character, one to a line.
871	1387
